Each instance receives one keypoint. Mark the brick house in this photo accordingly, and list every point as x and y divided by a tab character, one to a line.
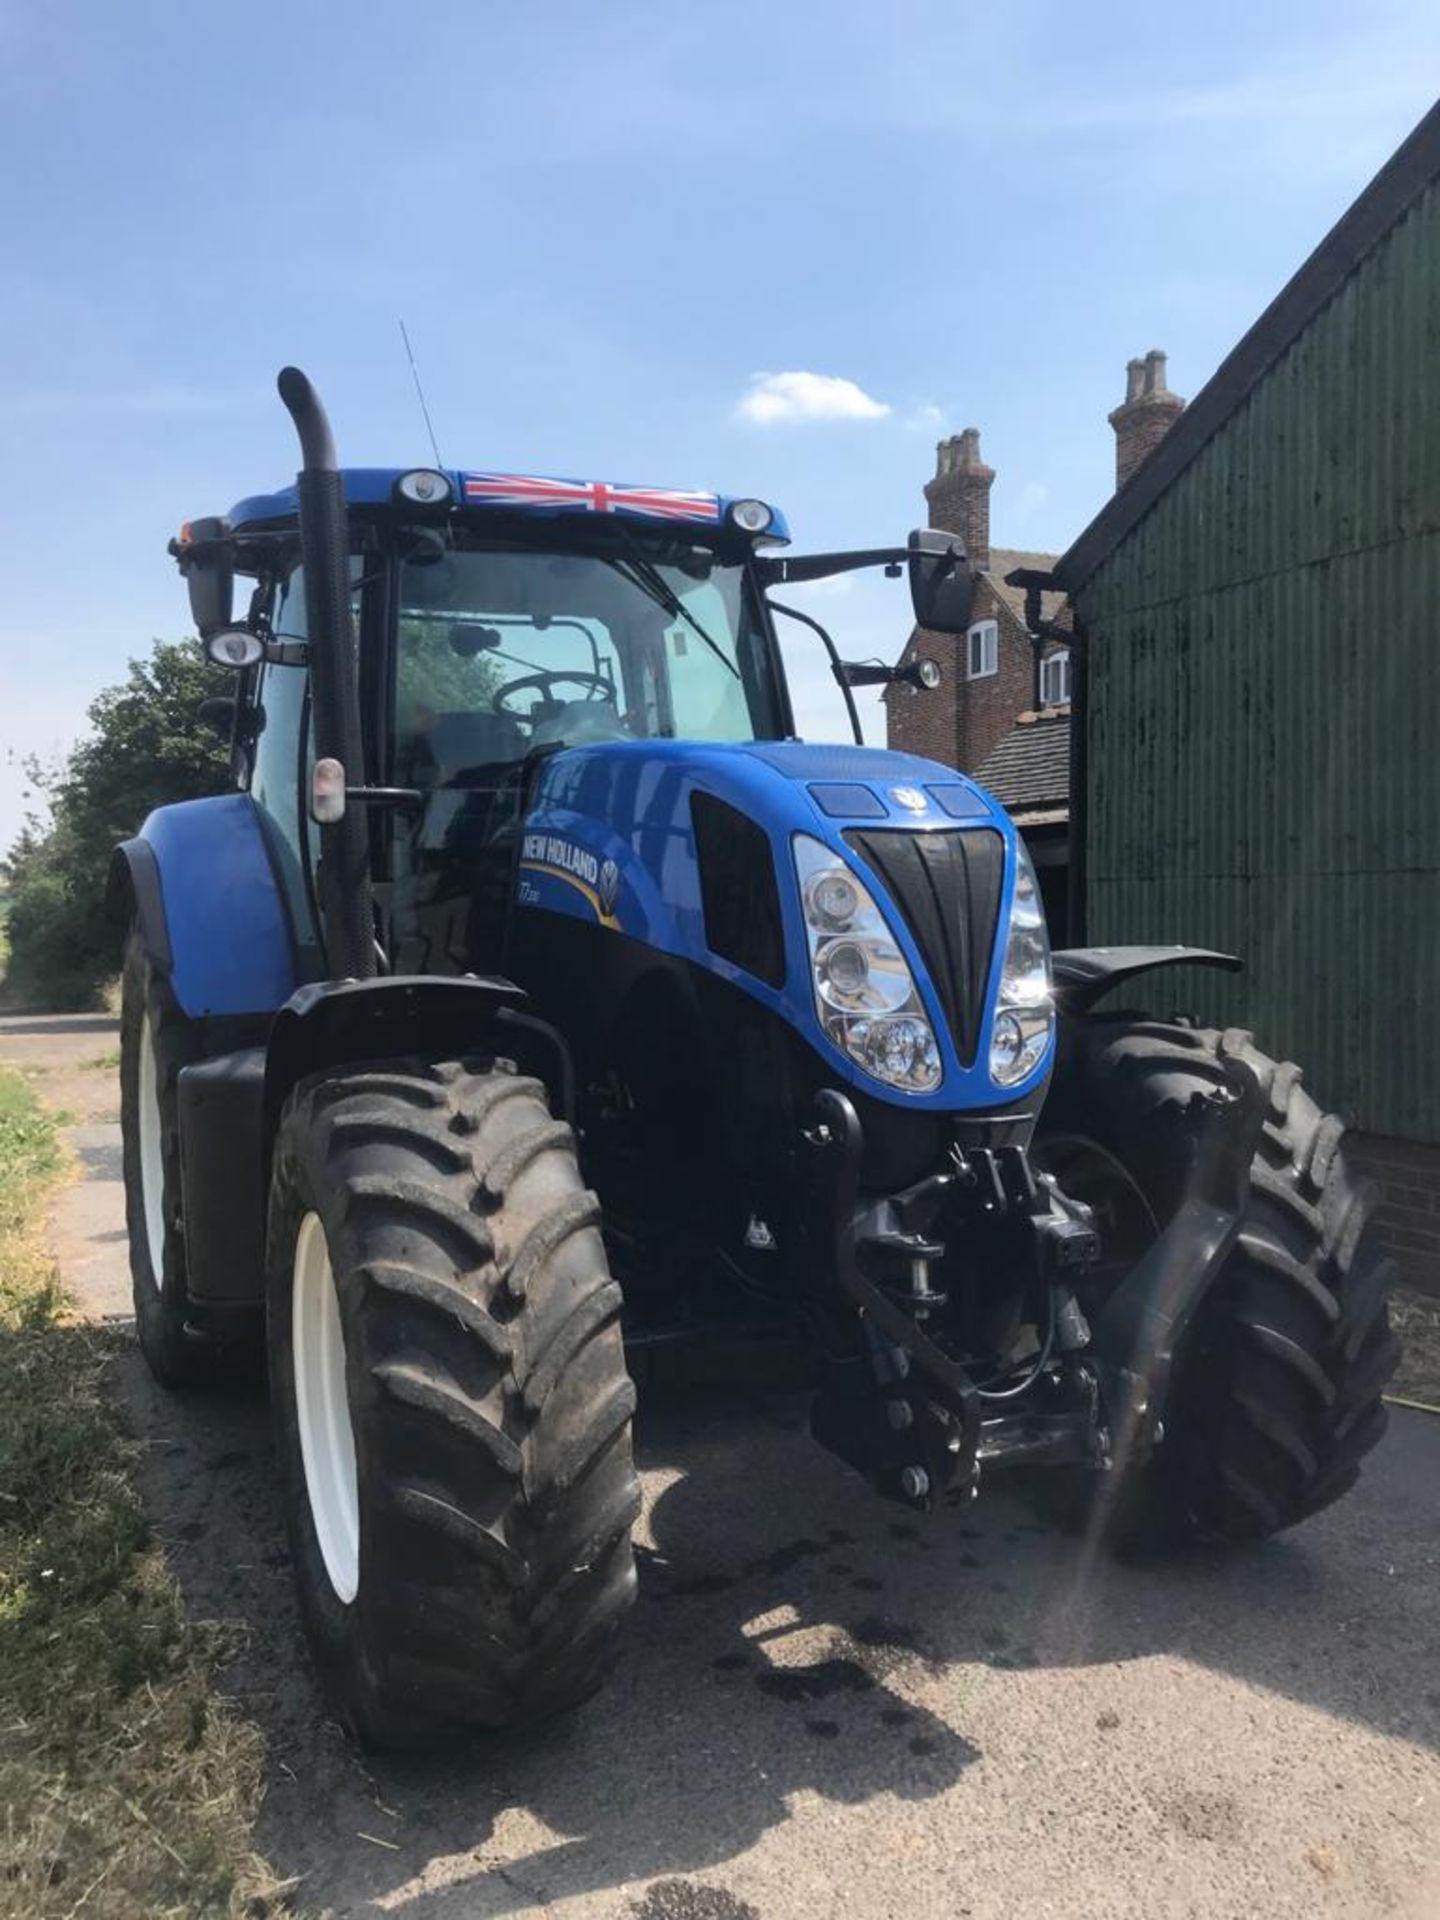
1002	710
1001	679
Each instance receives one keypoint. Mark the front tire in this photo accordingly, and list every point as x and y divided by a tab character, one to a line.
1276	1394
452	1405
155	1043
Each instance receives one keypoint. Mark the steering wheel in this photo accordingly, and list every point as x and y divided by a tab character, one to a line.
600	689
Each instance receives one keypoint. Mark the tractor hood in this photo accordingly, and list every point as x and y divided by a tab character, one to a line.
690	849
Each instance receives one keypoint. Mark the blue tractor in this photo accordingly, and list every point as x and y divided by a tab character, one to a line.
538	999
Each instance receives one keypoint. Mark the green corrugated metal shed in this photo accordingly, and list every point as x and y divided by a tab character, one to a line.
1261	611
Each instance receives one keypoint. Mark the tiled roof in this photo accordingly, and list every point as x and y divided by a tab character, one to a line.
1005	560
1031	766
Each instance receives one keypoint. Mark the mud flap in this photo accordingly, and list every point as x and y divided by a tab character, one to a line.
1137	1336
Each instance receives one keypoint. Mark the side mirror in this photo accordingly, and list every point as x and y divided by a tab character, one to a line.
942	582
219	712
207	561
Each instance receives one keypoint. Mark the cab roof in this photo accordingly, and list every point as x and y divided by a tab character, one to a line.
486	491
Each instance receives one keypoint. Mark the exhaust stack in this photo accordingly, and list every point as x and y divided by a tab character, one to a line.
344	877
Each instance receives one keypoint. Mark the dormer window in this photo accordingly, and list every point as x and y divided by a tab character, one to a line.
983	650
1055	678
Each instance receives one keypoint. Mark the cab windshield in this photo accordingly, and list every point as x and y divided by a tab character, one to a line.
503	648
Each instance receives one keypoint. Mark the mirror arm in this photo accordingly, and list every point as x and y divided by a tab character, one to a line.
865	673
776	571
837	665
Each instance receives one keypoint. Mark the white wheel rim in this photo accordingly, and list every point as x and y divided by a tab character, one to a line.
152	1153
322	1409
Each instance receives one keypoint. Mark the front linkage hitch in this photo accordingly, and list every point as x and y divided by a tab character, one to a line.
911	1417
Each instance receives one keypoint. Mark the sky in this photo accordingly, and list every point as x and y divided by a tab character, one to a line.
771	251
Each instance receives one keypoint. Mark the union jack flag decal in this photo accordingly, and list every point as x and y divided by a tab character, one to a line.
588	496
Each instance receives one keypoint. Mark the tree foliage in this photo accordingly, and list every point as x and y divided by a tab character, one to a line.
147	747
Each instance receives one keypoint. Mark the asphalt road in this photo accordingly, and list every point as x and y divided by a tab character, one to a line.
828	1707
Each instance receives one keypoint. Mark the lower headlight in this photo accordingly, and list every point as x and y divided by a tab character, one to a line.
1024	1021
865	994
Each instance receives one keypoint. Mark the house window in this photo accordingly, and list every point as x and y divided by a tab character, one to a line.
984	650
1055	678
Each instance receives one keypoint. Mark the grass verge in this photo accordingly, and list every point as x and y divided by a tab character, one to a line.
126	1786
1416	1319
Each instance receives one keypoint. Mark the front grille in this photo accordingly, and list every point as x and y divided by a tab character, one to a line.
947	886
738	893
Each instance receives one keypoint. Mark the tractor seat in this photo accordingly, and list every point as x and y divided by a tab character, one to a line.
463	741
578	723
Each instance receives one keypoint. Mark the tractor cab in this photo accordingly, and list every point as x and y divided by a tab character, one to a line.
500	618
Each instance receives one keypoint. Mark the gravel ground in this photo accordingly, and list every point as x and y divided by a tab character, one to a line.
827	1706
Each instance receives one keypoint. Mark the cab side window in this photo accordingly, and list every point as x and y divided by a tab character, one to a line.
280	775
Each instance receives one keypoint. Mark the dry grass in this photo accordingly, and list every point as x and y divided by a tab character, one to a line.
1416	1320
126	1786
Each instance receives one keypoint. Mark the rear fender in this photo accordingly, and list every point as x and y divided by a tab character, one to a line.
200	885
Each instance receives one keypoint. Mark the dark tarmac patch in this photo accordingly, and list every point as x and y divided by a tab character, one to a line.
924	1746
238	1457
898	1530
896	1717
784	1558
818	1682
699	1586
893	1636
823	1729
731	1662
691	1900
867	1583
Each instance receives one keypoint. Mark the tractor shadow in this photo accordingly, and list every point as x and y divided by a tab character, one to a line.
789	1628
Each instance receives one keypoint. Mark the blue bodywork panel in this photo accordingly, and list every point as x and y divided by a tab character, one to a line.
482	492
230	941
609	840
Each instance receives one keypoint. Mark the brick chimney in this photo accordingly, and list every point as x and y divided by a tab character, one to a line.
1146	414
959	495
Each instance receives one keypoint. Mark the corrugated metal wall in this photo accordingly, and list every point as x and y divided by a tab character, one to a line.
1265	701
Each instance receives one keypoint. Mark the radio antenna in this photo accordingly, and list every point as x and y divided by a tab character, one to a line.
420	395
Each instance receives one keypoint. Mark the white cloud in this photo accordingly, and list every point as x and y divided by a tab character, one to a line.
1030	500
924	418
784	398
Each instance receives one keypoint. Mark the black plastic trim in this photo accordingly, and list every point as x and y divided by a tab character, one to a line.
220	1111
738	889
135	876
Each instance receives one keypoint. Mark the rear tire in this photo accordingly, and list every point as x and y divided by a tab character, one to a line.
1276	1395
484	1392
155	1043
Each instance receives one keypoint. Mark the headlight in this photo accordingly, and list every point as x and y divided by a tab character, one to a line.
424	487
751	516
1025	1005
865	994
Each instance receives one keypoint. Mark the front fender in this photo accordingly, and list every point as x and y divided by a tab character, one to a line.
343	1022
1084	975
